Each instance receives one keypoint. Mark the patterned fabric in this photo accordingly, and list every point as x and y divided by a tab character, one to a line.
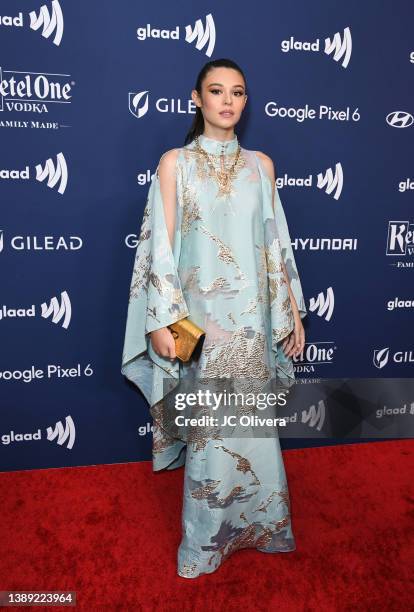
225	272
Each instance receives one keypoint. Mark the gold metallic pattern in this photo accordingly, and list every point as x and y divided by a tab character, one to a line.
218	283
243	465
140	275
231	317
206	490
205	172
188	569
263	507
241	357
251	306
191	209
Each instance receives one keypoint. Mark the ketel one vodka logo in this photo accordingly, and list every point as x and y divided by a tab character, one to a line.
55	174
205	35
138	104
339	47
33	91
314	354
49	17
57	312
400	242
323	305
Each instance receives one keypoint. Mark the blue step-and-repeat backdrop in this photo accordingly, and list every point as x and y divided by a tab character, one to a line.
92	94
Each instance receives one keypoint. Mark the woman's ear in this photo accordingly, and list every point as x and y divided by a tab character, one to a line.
195	97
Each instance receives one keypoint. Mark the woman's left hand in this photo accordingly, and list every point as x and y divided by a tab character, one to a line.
294	343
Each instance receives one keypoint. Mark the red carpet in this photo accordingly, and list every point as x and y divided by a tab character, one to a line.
111	532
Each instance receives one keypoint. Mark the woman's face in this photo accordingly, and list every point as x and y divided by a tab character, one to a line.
223	97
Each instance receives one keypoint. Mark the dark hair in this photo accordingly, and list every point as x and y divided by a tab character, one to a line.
197	127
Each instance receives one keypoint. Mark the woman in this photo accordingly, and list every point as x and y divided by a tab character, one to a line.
214	246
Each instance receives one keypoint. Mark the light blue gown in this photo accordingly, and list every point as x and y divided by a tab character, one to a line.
224	271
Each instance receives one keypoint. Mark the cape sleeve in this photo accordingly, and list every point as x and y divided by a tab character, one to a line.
278	248
155	296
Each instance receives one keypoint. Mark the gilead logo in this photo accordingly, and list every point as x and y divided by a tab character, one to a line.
138	104
382	357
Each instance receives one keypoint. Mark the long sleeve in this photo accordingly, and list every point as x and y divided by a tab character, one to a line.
155	298
278	248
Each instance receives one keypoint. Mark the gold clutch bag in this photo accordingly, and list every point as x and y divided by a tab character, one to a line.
187	335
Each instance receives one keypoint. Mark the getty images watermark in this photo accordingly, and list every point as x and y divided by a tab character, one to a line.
195	409
213	401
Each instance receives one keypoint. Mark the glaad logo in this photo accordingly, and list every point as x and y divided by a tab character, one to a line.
323	305
400	242
206	36
325	244
58	311
399	119
143	430
138	105
54	309
315	416
331	181
382	357
399	303
341	48
51	23
63	434
143	178
53	174
33	91
406	185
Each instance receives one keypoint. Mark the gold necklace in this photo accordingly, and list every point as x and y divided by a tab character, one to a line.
224	177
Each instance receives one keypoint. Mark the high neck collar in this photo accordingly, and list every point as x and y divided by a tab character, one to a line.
217	147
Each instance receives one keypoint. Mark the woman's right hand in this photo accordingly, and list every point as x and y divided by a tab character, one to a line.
163	343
